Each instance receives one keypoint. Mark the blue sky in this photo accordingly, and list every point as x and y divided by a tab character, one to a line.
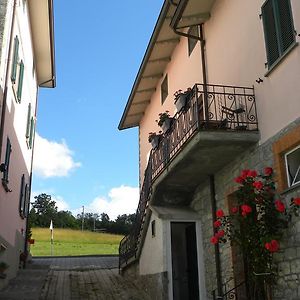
81	157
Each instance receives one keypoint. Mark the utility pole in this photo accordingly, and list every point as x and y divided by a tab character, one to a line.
82	220
94	222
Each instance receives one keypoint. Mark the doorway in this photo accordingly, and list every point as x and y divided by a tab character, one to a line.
184	261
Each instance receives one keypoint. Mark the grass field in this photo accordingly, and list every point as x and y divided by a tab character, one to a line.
73	242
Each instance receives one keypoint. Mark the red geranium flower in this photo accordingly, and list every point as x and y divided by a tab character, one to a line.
297	201
268	171
217	223
214	240
220	213
246	208
239	180
258	185
279	206
244	174
252	173
273	246
220	234
234	210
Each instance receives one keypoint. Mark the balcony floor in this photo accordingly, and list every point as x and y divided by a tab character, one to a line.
205	154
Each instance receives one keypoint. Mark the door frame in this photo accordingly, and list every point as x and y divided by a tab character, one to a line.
199	244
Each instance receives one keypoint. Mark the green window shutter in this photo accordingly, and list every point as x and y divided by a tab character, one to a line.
28	121
20	83
7	160
271	39
31	132
22	197
26	200
286	24
15	60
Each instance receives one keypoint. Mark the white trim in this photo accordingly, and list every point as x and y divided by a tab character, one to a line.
201	276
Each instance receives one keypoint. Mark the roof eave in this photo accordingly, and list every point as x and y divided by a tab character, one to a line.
157	28
42	29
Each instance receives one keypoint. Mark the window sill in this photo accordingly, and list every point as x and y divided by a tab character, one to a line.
281	58
291	189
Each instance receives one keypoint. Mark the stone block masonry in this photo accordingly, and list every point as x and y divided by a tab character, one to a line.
288	258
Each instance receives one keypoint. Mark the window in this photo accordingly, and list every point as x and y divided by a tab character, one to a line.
164	89
5	166
192	42
278	28
30	127
15	60
292	163
22	197
31	133
17	71
153	228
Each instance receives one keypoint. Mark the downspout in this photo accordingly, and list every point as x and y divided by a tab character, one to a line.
6	79
217	249
203	63
30	182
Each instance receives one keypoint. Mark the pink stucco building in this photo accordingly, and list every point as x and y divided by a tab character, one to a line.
238	64
26	63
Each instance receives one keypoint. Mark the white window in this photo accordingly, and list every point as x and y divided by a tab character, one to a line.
292	163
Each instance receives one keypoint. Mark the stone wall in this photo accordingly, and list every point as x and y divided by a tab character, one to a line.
155	285
257	157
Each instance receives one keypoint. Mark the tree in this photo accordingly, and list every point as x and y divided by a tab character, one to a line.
45	210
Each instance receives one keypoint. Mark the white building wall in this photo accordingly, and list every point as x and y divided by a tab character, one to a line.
153	255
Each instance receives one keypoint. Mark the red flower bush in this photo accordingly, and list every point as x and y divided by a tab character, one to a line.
258	185
280	206
268	171
273	246
256	223
217	223
220	213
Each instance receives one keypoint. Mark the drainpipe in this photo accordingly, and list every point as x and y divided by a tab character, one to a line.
204	72
30	181
203	63
217	249
7	78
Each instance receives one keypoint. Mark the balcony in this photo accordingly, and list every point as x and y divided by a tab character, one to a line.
216	125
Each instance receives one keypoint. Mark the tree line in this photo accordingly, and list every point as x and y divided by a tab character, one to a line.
44	210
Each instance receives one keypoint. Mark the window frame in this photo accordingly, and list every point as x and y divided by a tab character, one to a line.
291	184
5	176
164	89
278	33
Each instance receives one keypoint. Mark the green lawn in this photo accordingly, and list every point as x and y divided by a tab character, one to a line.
73	242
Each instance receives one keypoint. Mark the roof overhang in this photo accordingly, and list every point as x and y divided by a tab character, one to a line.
159	51
42	29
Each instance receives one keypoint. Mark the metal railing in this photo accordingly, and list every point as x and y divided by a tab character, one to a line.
208	107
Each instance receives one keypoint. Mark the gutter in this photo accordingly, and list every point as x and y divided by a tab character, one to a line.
6	79
149	49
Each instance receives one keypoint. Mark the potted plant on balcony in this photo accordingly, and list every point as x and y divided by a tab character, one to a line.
154	139
181	98
164	121
3	267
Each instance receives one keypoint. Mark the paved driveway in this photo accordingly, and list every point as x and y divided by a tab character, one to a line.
73	278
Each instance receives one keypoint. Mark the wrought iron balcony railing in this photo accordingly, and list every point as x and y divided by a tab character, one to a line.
209	107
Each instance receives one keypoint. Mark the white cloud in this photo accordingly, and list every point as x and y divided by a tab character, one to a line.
120	200
60	203
52	159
